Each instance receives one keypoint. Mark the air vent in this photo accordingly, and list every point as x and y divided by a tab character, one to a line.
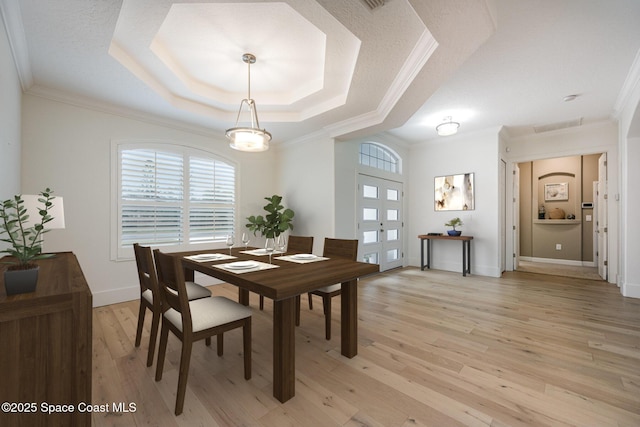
373	3
558	125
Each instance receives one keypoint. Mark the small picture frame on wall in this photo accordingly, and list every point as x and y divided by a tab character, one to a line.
556	192
454	192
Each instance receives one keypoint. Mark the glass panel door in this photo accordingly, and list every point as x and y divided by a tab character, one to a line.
380	221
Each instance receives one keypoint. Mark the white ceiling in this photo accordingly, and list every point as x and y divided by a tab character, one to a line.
331	66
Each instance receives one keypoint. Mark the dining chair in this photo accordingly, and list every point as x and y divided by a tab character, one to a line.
150	297
296	245
192	321
333	248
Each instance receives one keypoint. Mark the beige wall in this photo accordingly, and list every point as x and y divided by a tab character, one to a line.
539	238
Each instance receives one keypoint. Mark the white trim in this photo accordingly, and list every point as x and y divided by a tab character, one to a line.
12	18
559	261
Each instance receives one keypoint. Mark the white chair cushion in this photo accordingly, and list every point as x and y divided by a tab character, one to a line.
148	295
329	289
210	312
195	291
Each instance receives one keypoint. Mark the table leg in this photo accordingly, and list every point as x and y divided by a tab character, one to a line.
349	318
469	256
429	254
421	254
464	259
243	296
284	346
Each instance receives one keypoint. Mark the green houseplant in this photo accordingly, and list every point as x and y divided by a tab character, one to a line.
454	222
277	220
25	239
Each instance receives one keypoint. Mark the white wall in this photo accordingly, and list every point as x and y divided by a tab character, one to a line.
629	143
68	148
476	153
601	137
10	120
306	176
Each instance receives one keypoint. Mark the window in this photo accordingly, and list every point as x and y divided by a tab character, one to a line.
172	195
379	157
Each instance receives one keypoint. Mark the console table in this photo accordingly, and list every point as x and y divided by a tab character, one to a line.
45	347
466	250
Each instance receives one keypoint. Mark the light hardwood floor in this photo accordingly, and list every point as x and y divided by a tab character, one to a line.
435	349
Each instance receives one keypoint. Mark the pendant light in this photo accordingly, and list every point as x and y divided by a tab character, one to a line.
252	138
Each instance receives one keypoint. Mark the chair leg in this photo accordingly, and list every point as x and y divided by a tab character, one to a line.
310	302
141	313
207	341
326	303
220	345
185	359
246	341
162	350
155	322
261	302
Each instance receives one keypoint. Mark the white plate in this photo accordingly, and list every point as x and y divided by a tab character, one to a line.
241	265
205	257
303	256
260	251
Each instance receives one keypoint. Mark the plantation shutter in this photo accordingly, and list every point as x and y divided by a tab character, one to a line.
152	194
212	199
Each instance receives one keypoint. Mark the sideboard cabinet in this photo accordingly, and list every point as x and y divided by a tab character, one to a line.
45	347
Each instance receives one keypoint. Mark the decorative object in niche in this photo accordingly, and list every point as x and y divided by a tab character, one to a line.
571	216
553	192
454	192
556	213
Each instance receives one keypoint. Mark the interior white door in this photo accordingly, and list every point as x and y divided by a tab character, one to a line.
380	221
602	217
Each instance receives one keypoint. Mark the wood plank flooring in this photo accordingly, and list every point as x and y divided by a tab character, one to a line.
435	349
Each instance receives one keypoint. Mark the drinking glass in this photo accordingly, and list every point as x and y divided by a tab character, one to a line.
270	246
230	242
281	243
245	240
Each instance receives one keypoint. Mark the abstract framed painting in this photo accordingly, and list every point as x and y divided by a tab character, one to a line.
454	192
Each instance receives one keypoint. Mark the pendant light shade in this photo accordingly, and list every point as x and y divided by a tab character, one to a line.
251	138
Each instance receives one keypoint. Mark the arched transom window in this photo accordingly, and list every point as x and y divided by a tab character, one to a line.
379	157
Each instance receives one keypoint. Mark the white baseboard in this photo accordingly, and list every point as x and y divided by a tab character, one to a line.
631	290
559	261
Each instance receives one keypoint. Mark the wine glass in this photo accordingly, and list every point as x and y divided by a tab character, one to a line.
281	243
245	240
230	242
269	246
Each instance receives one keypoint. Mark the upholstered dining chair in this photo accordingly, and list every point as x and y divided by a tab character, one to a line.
150	297
295	245
191	321
333	248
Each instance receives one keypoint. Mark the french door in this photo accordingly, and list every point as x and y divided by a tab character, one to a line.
380	221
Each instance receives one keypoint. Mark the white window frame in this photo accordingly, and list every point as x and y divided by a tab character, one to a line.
395	159
125	253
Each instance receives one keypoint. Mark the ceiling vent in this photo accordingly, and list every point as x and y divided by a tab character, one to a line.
558	125
373	3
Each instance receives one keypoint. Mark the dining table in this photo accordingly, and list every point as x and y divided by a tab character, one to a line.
283	280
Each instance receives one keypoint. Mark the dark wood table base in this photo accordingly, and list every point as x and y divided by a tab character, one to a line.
466	250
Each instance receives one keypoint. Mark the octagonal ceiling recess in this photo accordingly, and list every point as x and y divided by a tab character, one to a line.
191	54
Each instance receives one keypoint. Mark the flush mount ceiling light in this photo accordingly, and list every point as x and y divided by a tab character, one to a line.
448	127
248	138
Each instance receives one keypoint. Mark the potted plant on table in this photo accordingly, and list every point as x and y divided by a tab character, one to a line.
25	238
455	222
275	222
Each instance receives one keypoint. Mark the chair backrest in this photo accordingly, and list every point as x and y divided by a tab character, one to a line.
146	271
341	248
300	244
172	286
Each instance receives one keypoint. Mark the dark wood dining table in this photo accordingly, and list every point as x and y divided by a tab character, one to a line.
283	284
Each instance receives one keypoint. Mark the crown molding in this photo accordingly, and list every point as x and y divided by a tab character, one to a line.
628	88
12	18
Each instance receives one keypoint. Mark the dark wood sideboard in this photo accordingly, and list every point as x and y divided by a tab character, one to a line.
45	347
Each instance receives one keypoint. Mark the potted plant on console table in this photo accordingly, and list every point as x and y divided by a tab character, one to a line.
25	238
455	222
